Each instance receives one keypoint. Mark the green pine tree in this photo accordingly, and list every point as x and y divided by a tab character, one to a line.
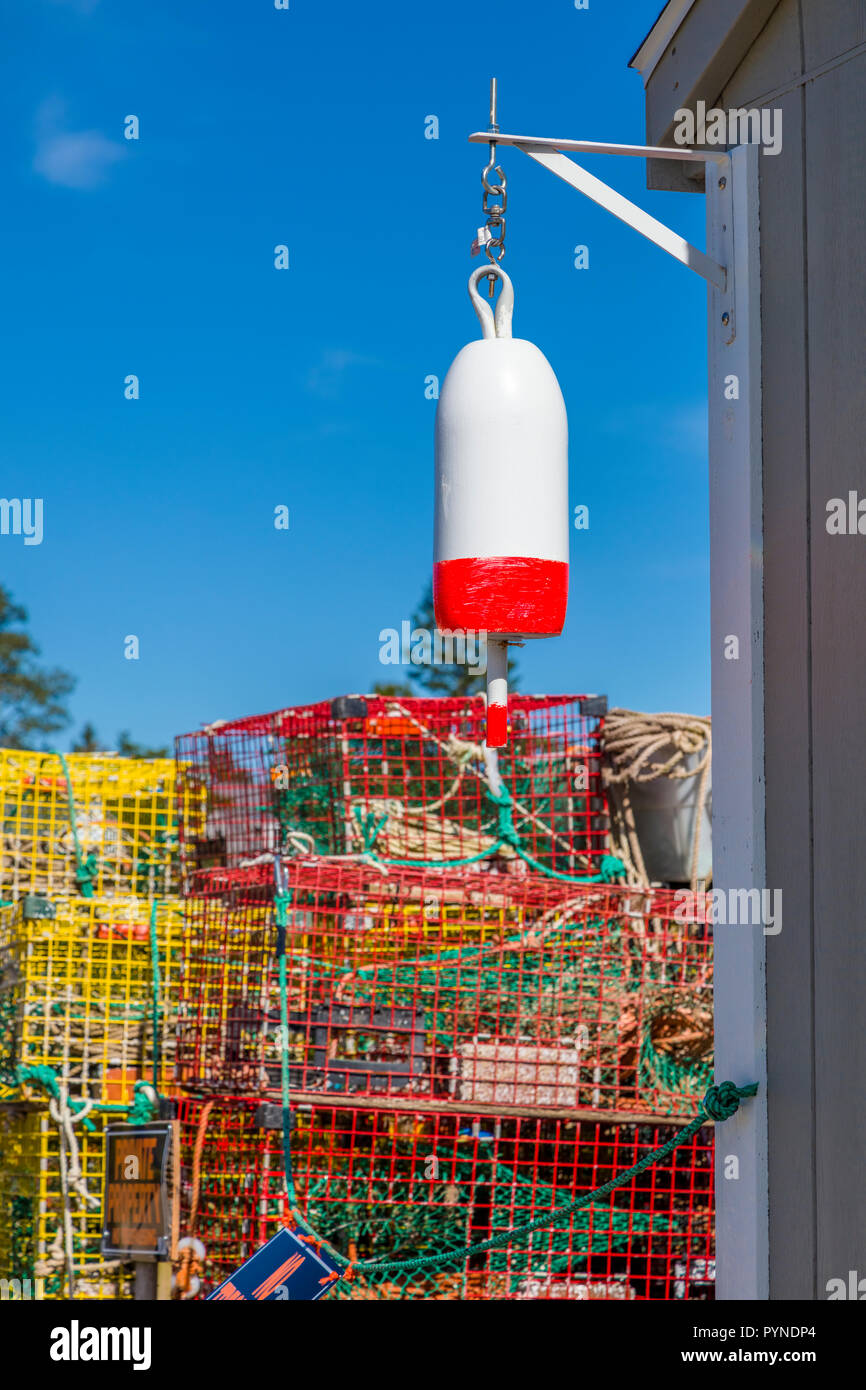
438	680
32	696
128	748
87	741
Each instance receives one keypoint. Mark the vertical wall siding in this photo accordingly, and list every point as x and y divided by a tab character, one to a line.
813	201
809	60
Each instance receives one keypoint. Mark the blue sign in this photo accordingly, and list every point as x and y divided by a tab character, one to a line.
290	1266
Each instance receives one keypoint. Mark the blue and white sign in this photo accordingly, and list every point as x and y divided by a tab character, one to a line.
290	1266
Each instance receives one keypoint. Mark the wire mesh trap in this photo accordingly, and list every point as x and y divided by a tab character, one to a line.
321	777
76	992
123	812
33	1236
512	992
384	1186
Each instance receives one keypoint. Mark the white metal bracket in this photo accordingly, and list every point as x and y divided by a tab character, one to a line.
550	154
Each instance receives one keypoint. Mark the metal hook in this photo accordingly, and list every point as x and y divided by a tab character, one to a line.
498	324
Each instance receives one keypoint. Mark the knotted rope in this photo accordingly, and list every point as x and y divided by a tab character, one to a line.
71	1175
721	1102
145	1104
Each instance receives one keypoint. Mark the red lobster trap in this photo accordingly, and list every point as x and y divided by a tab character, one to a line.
385	1185
507	993
405	779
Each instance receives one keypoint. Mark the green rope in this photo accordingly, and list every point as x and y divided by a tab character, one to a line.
145	1107
46	1077
611	869
406	1221
720	1103
154	966
86	868
369	827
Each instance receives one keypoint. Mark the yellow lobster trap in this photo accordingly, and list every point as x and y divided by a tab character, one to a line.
88	988
51	1207
87	823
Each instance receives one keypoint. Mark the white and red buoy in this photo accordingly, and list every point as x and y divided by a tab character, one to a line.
500	561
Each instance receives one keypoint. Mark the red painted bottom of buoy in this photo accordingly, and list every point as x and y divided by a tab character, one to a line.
497	726
508	594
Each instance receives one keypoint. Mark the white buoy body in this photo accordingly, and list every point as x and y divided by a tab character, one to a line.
501	527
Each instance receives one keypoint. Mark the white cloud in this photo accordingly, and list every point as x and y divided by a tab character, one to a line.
71	158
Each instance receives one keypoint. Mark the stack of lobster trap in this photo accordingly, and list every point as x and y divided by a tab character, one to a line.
479	1023
90	941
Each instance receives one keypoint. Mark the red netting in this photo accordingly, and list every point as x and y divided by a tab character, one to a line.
320	777
501	991
382	1185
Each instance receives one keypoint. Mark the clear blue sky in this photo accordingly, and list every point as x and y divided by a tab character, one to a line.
306	387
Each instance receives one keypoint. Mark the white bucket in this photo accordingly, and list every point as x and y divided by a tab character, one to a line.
664	815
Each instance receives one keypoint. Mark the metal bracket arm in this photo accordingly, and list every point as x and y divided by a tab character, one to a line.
549	154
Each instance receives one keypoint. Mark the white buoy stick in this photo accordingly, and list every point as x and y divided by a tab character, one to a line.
497	693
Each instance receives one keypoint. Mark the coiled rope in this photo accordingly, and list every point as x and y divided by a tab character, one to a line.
634	745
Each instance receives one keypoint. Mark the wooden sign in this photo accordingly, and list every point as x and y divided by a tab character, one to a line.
139	1214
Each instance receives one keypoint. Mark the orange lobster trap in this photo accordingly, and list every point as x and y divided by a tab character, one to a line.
507	993
383	1185
406	779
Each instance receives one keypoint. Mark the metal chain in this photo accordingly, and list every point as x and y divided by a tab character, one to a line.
491	237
